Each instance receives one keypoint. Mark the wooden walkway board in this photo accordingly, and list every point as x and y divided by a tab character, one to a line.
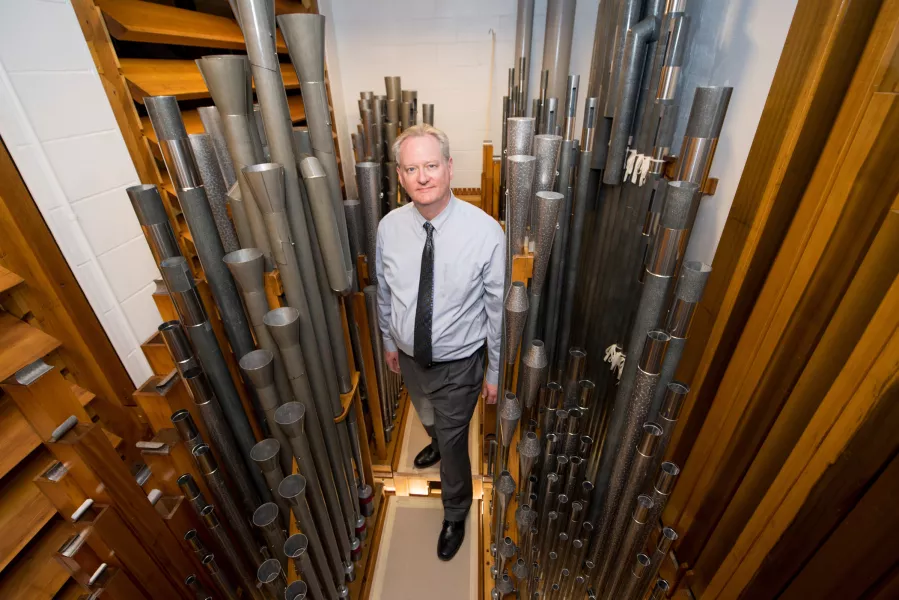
8	279
138	21
179	78
24	510
408	567
21	344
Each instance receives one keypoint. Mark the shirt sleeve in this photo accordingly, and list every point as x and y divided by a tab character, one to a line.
384	307
494	277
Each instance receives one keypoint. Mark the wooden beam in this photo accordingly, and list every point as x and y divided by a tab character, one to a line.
820	55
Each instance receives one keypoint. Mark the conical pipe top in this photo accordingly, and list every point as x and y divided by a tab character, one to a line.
296	545
266	454
247	266
525	517
270	570
293	489
165	116
305	38
509	413
259	367
534	366
504	585
505	487
528	453
546	150
284	325
547	206
507	548
176	274
519	135
266	182
290	417
266	514
516	314
296	590
311	168
227	77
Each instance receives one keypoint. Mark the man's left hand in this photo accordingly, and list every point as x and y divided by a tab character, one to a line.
489	393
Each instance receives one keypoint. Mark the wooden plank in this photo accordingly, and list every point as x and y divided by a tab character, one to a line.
368	359
179	78
18	439
821	53
70	591
864	295
862	388
35	575
137	21
193	124
21	344
8	279
841	210
23	509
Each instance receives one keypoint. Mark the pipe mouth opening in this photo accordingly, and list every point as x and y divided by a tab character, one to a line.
575	460
577	353
206	510
670	469
192	373
657	335
644	501
190	535
296	545
168	325
208	559
266	514
296	590
652	429
676	387
280	317
643	560
521	158
289	413
537	344
257	359
697	266
190	579
241	57
684	185
261	168
517	284
554	386
180	415
669	534
265	450
530	435
202	450
586	384
662	585
244	255
292	486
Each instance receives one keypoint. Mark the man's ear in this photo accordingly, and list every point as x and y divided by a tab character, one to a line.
450	163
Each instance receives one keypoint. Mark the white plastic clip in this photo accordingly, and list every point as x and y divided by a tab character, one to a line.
615	357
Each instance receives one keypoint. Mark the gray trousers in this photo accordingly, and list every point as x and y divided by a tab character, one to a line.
445	396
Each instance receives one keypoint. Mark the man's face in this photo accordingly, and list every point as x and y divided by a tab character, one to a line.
423	172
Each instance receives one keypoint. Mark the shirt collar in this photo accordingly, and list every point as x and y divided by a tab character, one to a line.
440	220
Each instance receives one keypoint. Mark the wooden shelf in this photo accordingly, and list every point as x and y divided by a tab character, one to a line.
84	396
193	124
8	279
18	439
179	78
70	591
24	510
35	575
21	344
137	21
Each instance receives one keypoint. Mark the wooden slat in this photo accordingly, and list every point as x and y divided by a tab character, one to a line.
137	21
17	439
23	509
820	55
21	344
179	78
70	591
35	575
193	124
8	279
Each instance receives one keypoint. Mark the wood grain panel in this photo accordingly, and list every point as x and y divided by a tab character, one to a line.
35	575
17	439
8	279
21	344
23	509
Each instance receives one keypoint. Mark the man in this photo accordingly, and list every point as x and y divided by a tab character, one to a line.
440	264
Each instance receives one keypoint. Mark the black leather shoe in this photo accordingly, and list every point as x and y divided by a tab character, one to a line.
450	539
427	457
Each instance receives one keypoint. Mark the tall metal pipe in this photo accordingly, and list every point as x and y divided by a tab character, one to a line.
639	574
368	181
326	225
668	537
636	409
297	549
533	369
204	151
271	577
166	119
219	577
628	88
557	44
258	367
427	114
247	266
266	519
291	417
515	311
293	488
528	453
209	468
569	122
189	488
183	291
568	158
154	221
667	415
546	207
505	487
701	135
524	29
642	463
355	228
574	372
266	454
520	170
220	436
228	79
690	286
509	414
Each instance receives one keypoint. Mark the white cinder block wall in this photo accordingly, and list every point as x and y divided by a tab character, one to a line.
58	126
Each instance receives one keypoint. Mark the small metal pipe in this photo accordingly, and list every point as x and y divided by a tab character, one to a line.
266	455
297	549
196	544
427	114
221	437
574	372
228	550
528	453
570	117
257	367
271	576
505	487
266	518
182	288
638	523
639	574
192	492
219	577
196	586
150	211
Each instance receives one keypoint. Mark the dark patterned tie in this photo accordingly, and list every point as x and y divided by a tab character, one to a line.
424	312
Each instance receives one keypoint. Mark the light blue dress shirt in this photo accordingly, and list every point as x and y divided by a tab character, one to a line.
469	259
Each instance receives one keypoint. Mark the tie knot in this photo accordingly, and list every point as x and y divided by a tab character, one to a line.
428	227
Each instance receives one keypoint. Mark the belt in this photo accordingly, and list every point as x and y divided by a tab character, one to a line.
440	363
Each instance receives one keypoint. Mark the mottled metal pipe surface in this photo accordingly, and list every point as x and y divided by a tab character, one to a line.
701	136
212	124
203	147
546	150
520	136
534	368
520	171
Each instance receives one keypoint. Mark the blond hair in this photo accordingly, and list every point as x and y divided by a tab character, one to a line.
421	131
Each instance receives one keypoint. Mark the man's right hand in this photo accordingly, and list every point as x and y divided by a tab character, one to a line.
393	360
